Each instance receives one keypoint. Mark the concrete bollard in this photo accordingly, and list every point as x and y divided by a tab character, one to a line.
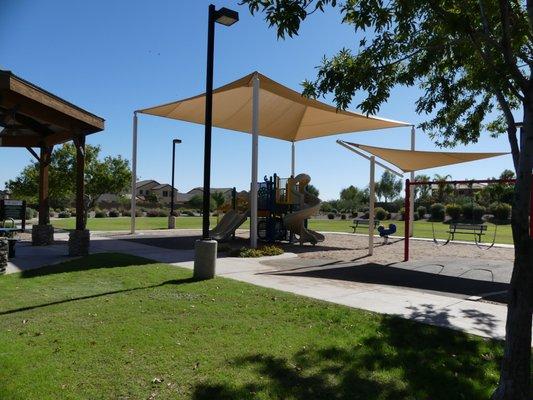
171	222
205	259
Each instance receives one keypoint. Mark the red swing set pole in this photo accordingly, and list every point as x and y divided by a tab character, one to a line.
407	219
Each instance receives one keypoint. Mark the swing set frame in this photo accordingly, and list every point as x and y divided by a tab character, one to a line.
409	219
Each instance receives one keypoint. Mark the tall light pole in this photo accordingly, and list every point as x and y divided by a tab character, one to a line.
225	17
171	216
204	265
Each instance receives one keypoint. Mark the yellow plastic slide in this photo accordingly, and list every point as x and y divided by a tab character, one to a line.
228	224
309	206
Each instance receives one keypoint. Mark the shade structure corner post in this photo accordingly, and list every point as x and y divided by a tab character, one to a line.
293	158
134	173
371	185
255	156
407	219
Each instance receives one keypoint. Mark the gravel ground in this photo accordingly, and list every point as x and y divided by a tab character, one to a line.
353	247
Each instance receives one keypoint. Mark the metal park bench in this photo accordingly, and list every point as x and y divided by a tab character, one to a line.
477	230
363	222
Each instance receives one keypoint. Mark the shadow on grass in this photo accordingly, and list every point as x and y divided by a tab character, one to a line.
400	360
96	295
94	261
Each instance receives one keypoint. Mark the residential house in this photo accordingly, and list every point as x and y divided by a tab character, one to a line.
163	192
145	187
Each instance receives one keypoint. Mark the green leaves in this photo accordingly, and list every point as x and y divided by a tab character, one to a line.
111	175
471	58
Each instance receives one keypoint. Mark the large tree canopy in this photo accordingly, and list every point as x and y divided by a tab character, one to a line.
473	61
110	175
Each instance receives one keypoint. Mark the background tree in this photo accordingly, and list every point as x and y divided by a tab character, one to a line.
444	189
423	192
110	175
196	202
389	187
351	198
218	198
313	190
472	59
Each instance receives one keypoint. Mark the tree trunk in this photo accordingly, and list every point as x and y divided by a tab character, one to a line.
515	374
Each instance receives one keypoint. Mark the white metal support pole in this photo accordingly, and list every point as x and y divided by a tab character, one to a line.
371	186
255	148
412	197
134	172
293	158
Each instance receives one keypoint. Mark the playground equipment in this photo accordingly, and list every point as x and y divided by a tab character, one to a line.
283	206
386	232
236	212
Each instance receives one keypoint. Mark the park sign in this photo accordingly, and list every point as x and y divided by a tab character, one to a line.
15	209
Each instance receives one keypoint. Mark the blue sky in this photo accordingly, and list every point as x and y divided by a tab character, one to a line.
112	57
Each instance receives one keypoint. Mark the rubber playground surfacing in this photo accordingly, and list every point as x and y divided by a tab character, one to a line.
454	270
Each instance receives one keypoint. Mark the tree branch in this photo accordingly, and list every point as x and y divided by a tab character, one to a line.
511	127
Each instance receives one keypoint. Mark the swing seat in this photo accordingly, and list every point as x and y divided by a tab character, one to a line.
467	229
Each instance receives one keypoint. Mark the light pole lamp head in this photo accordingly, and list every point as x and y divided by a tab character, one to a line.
226	17
176	141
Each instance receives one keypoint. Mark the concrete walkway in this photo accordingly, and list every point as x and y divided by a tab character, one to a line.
460	313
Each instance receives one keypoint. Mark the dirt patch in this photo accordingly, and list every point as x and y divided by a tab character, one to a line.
355	247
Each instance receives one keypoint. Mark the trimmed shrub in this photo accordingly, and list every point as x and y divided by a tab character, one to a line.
437	212
63	214
343	216
473	212
501	211
100	214
188	213
380	213
331	216
31	213
114	214
453	211
421	211
271	250
152	213
246	252
127	213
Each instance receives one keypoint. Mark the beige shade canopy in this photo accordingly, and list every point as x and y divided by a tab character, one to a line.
411	160
283	113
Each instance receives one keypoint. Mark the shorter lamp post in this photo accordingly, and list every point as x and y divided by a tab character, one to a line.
171	220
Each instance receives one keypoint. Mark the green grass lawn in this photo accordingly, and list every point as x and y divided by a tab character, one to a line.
123	223
112	326
422	229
